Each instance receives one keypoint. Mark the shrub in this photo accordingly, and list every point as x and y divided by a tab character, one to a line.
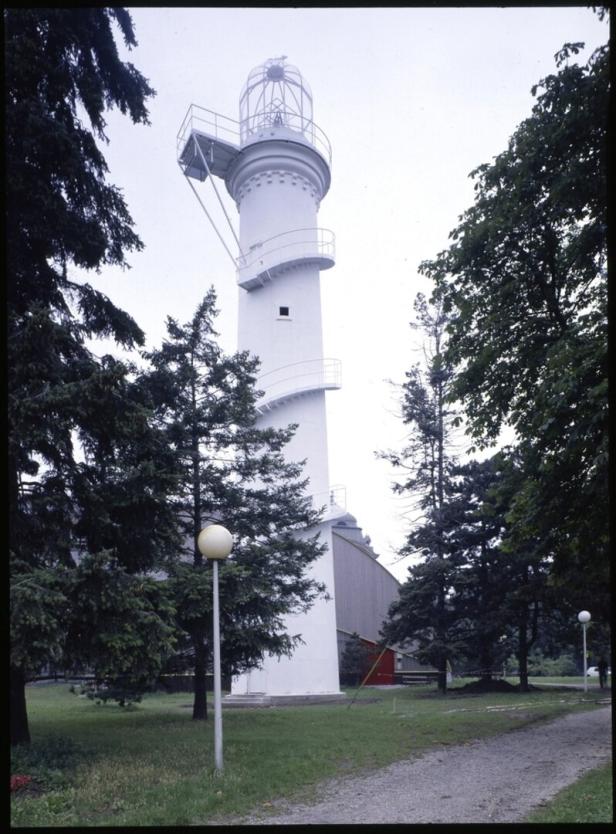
542	666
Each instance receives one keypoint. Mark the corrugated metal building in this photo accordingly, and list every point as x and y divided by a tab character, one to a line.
364	590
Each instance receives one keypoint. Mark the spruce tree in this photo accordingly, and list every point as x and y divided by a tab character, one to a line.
355	660
86	481
231	472
482	583
425	611
529	599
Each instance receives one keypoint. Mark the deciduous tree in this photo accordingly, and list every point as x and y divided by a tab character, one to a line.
524	283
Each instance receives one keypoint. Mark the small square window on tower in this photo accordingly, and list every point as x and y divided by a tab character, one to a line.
283	312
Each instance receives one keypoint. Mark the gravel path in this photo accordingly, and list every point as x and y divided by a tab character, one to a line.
498	779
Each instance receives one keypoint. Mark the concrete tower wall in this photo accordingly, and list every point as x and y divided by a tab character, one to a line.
274	173
278	340
277	185
313	668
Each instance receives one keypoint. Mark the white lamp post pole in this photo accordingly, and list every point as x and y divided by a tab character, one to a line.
215	543
584	618
217	685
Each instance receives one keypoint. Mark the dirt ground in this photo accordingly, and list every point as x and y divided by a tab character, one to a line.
500	779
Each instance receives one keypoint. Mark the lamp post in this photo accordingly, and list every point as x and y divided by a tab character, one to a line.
215	543
584	618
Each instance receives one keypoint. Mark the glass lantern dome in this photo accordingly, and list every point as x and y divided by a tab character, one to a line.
277	98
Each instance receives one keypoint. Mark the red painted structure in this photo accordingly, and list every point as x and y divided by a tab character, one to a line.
383	673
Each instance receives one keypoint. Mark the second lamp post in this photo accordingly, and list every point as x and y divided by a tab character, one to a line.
584	618
215	543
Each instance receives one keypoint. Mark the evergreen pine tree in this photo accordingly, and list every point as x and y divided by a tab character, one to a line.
425	610
231	473
85	473
478	528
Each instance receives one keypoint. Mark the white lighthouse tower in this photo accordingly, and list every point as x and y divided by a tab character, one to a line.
275	163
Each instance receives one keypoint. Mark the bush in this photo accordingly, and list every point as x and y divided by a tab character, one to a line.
101	692
541	666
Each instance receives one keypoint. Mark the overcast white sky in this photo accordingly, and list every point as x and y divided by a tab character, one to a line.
412	99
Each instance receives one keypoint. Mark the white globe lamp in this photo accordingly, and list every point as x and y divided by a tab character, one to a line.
215	542
584	618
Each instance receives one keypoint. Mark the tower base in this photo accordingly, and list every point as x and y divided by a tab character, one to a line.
312	670
260	699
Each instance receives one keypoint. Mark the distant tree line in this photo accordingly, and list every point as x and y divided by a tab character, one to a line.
509	548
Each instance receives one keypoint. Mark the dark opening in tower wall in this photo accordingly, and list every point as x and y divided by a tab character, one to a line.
283	311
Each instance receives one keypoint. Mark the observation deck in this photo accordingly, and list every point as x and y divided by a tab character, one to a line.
217	137
296	380
220	139
266	259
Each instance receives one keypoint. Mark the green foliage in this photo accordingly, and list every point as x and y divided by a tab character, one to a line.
541	666
121	692
588	800
38	616
232	472
536	237
524	283
425	611
87	469
58	61
355	660
478	589
121	624
483	577
469	596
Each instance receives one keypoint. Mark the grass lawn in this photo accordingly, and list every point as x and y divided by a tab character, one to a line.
152	765
587	800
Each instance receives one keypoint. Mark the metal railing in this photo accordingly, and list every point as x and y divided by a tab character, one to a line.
267	120
297	378
239	133
335	496
207	121
287	247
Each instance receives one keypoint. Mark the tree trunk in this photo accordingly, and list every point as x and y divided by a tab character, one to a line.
442	678
485	663
485	646
20	732
198	636
200	697
522	654
526	639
